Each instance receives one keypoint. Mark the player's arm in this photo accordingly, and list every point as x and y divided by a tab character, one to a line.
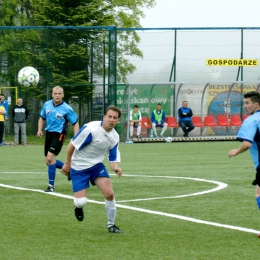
66	167
41	122
76	128
242	148
3	112
114	167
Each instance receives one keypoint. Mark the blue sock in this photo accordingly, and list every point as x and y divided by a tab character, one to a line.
59	164
258	202
51	173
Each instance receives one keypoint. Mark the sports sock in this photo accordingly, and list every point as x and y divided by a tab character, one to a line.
110	207
138	130
258	202
51	173
131	128
164	128
59	164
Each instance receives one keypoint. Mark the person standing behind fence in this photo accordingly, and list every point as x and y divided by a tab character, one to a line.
4	103
20	114
158	120
2	124
56	114
185	114
135	120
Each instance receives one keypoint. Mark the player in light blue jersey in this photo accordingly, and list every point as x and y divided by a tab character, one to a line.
55	114
249	135
84	161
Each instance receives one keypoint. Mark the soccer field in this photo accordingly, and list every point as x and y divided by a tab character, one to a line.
174	201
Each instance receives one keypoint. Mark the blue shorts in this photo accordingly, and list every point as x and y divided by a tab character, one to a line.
80	178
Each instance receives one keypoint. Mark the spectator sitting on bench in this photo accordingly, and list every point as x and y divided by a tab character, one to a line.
135	120
158	120
185	114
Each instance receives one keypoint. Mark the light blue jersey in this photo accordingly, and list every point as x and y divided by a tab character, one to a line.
57	117
250	132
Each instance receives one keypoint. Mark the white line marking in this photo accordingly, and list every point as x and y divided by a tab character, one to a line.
220	186
248	230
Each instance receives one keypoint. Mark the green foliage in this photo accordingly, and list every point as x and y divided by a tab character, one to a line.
36	225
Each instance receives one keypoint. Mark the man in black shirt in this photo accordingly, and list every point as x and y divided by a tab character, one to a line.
20	114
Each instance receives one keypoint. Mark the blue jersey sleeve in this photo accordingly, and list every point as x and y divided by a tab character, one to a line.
248	130
72	116
82	138
114	154
43	113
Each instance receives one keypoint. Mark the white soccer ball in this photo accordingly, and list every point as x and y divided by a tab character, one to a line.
168	139
28	77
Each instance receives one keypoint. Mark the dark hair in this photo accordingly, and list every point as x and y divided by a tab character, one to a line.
158	104
254	96
113	108
136	106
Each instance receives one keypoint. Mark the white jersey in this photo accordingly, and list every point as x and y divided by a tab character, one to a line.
92	143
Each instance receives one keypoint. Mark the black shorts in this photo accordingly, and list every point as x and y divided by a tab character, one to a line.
54	142
257	178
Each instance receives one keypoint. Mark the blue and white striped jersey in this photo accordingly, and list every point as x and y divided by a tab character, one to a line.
92	143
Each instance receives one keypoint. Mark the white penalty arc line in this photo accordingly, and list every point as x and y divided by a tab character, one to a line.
220	186
194	220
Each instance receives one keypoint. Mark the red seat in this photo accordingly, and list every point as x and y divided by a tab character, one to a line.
223	121
197	121
235	120
210	121
171	121
146	122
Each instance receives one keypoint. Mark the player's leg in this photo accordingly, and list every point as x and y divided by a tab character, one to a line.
16	133
105	186
2	126
256	182
23	132
190	126
139	127
154	129
80	182
163	129
131	129
53	145
183	127
80	200
50	162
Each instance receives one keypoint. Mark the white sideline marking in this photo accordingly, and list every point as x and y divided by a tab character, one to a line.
248	230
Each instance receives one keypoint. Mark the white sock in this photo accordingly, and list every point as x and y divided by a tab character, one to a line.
138	130
110	207
164	128
131	128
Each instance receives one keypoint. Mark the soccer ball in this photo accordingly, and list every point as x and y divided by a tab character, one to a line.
28	77
168	139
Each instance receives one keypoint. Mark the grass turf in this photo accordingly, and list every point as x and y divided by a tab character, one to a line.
36	225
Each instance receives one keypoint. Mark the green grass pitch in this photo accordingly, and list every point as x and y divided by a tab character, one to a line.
175	201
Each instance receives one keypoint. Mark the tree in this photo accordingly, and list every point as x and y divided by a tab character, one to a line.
64	53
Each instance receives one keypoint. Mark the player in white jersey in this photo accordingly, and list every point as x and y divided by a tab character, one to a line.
84	162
